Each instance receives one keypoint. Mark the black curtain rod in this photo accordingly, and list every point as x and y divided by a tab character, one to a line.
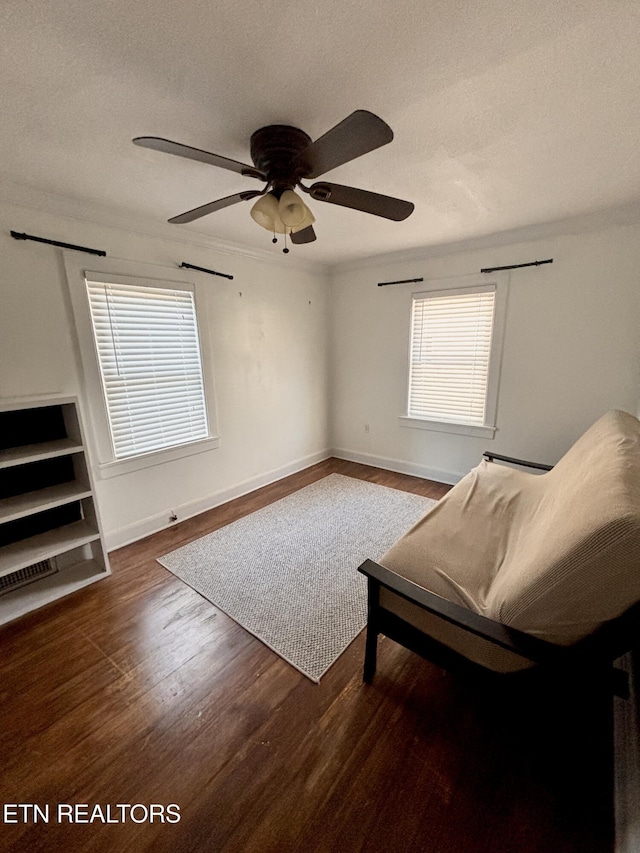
204	269
17	236
518	266
404	281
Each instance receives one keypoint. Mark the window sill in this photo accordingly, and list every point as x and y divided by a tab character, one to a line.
444	426
134	463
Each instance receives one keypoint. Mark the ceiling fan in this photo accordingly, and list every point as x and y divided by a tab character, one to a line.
282	157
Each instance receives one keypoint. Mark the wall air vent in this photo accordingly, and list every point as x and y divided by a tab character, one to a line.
31	573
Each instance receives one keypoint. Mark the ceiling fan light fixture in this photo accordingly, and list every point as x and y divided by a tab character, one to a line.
286	215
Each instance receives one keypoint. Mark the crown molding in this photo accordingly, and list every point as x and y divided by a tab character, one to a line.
600	220
23	196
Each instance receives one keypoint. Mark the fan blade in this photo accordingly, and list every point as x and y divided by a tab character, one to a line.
169	147
356	135
197	212
367	202
307	235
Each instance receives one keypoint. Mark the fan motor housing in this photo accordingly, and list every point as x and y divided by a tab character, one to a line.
274	149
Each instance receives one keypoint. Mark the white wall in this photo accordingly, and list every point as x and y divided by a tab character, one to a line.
571	351
269	354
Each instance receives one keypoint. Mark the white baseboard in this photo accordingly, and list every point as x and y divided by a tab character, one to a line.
152	524
399	466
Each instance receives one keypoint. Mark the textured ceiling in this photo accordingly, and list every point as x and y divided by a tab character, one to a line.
506	113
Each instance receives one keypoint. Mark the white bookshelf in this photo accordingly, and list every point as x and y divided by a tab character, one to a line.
51	541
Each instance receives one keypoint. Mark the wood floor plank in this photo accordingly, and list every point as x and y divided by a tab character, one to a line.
137	690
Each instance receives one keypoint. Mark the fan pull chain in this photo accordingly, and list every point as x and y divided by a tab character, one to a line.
285	250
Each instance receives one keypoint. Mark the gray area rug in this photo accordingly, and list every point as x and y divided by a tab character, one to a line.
288	572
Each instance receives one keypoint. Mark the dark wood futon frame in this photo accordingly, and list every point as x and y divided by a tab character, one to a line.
589	661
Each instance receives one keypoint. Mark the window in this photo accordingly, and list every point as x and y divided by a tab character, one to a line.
146	364
149	356
454	353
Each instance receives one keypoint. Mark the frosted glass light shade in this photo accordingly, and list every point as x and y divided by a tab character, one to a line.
293	211
308	220
266	212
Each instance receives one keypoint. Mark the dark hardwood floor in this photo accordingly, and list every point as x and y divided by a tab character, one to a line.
137	690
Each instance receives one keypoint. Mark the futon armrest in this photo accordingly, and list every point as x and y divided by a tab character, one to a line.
490	456
533	648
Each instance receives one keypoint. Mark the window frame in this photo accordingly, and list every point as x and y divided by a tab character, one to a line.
130	272
498	282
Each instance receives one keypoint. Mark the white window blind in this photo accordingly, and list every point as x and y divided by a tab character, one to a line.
149	356
450	352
